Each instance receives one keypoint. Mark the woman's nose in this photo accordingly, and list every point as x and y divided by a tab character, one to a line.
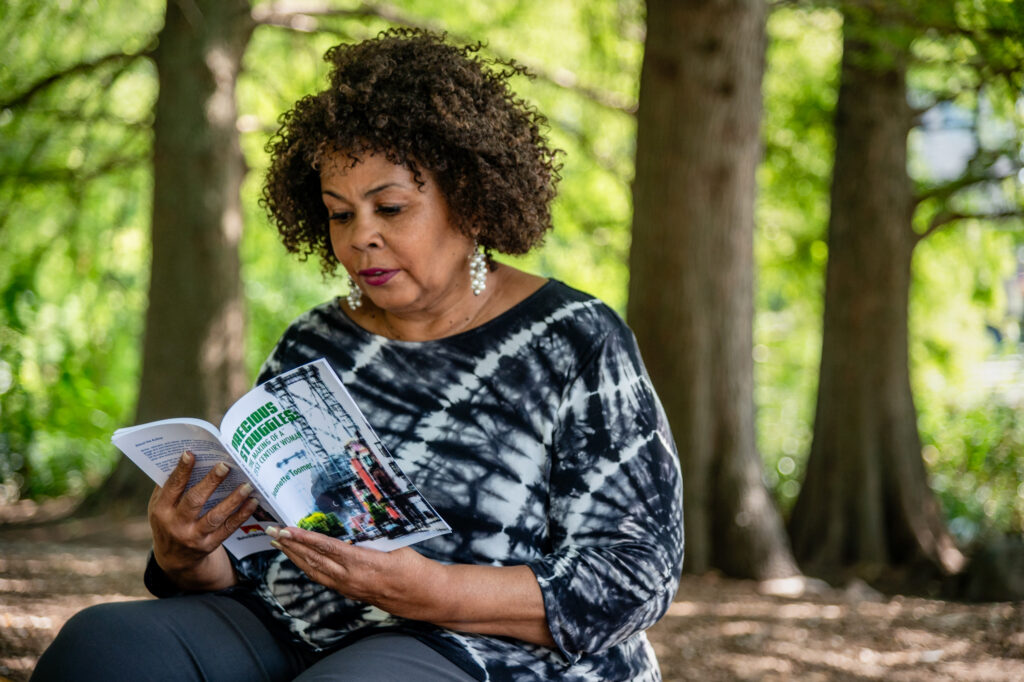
364	233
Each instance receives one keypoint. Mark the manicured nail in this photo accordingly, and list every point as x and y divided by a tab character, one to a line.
283	533
275	544
221	469
272	531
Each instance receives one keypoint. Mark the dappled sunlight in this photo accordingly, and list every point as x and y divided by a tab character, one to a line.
49	572
725	630
717	629
19	584
747	666
800	611
77	149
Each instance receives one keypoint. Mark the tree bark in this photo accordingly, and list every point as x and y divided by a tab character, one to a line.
193	349
691	270
865	502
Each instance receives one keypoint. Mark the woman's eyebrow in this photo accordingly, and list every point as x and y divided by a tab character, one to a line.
367	193
380	188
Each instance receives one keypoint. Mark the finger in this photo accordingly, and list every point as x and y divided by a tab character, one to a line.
214	519
318	567
324	544
328	554
193	500
153	497
175	484
235	520
293	541
247	509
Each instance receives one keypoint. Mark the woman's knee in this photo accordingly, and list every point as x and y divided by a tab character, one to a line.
102	640
198	637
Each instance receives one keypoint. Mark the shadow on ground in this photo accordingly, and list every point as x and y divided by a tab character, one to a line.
717	629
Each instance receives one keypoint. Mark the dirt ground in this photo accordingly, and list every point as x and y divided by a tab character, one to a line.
717	629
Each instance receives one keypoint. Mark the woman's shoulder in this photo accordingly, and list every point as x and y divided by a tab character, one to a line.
326	315
570	310
324	321
562	324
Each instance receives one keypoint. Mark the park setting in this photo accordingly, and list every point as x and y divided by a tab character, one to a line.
810	215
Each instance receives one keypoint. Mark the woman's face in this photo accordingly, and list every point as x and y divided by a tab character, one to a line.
394	237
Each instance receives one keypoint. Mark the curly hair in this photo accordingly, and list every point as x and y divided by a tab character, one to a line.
427	105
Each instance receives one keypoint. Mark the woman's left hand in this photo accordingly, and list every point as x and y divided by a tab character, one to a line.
491	600
401	582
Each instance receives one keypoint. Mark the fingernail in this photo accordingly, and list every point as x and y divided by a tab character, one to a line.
245	489
275	532
221	469
275	544
186	457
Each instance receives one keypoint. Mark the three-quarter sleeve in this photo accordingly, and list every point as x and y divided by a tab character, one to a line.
615	518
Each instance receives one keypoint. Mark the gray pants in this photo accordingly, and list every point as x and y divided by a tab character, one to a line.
216	639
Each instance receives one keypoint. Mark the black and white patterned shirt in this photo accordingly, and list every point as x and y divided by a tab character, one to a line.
538	437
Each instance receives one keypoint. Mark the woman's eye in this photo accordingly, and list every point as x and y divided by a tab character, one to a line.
389	209
340	217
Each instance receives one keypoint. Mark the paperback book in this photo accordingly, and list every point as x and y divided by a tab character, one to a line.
311	457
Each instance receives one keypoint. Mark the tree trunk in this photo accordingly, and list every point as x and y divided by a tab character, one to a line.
193	350
865	502
691	270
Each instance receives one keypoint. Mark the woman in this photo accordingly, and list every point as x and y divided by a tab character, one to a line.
518	406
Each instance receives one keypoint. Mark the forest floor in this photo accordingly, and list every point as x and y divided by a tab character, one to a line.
717	629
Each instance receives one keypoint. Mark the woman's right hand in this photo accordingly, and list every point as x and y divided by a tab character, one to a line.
186	542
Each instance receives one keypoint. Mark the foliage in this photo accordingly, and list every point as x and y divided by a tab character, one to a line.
74	198
378	513
959	270
977	467
74	217
75	185
323	522
971	426
969	72
800	91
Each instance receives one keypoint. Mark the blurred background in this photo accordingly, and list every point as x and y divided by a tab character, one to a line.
78	96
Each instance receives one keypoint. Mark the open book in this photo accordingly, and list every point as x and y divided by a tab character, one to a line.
311	457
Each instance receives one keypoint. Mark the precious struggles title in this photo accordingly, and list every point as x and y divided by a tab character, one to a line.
258	425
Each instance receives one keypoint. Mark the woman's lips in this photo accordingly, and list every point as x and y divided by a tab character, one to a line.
375	277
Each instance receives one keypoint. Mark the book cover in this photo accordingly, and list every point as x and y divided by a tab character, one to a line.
311	456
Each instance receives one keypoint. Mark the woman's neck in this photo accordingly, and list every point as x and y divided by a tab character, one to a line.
506	286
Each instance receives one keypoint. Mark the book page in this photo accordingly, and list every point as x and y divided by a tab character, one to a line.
321	465
156	448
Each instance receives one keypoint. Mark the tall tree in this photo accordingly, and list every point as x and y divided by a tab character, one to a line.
193	350
865	470
691	270
194	322
76	136
865	502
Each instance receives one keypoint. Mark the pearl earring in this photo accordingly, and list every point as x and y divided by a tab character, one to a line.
355	296
477	270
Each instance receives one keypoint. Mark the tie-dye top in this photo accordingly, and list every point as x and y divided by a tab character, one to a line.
538	437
